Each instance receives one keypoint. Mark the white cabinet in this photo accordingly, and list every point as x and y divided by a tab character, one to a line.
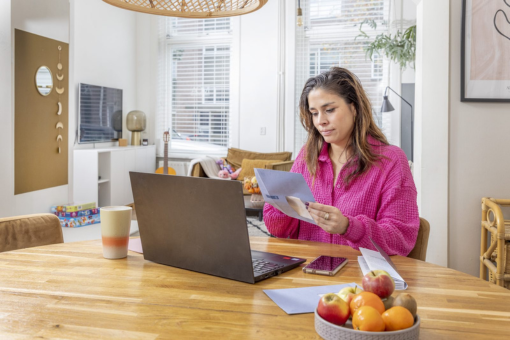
102	175
130	165
117	179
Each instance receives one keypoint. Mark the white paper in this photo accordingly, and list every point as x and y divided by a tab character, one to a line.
363	265
302	300
286	191
373	260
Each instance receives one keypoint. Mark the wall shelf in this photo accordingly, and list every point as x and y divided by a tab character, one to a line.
103	181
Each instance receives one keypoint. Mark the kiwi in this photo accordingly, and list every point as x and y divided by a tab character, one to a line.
388	302
407	301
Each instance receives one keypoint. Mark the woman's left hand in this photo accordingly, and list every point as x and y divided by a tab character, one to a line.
328	218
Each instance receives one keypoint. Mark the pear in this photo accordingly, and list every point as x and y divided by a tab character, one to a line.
407	301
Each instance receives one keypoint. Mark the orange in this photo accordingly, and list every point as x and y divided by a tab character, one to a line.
366	299
367	319
397	318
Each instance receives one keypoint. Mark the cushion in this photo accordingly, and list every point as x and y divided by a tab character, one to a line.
235	156
248	166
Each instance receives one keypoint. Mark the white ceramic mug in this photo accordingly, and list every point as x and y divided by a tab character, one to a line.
115	226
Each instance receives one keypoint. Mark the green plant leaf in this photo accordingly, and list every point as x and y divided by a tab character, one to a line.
400	48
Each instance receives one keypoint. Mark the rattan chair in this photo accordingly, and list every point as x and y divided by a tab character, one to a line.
419	251
496	257
29	231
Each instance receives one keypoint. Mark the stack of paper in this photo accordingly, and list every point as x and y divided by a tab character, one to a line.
373	260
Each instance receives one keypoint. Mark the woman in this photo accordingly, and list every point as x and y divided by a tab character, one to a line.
363	186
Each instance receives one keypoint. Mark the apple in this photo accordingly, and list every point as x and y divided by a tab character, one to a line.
379	282
333	309
348	293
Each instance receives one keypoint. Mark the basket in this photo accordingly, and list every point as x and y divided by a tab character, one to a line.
328	331
257	201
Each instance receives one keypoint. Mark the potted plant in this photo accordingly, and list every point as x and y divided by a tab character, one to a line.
399	48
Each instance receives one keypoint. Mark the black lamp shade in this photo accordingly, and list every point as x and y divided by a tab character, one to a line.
386	105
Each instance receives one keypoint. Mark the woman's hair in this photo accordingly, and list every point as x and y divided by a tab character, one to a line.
345	84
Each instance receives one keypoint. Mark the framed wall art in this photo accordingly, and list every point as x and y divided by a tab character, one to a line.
485	59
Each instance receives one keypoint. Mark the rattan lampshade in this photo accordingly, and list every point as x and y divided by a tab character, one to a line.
196	9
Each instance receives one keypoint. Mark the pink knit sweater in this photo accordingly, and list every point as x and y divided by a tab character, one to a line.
380	204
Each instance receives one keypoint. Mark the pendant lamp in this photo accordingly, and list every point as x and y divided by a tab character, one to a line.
196	9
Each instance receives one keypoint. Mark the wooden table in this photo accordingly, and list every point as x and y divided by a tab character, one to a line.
69	291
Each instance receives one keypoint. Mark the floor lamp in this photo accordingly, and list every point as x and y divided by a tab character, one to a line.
387	107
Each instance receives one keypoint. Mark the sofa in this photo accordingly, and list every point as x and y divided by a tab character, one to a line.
249	160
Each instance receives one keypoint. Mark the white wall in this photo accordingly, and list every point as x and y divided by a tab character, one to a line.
431	123
479	160
259	78
103	52
49	19
146	71
6	112
103	39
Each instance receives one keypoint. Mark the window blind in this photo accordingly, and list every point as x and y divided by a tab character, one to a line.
328	38
194	85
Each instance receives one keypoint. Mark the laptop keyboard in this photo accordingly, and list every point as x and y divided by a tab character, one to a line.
261	267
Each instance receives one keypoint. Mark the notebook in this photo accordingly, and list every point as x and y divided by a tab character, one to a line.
199	224
373	260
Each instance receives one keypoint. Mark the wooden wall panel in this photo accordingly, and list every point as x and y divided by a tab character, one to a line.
37	163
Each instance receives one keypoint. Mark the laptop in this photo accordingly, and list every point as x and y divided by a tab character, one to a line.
200	224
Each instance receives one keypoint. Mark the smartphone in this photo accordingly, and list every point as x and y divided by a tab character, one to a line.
325	265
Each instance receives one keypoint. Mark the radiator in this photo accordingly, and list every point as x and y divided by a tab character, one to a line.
181	168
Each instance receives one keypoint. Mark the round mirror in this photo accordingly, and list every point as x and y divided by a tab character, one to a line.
44	80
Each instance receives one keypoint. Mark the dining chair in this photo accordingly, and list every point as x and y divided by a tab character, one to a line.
27	231
419	251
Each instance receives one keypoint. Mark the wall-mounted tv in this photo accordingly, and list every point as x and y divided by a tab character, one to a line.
99	114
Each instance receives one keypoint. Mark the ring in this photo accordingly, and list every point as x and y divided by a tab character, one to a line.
326	216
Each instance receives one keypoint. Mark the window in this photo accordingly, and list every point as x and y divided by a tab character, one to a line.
194	84
377	67
327	39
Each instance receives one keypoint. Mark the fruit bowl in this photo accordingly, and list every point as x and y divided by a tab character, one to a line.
329	331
